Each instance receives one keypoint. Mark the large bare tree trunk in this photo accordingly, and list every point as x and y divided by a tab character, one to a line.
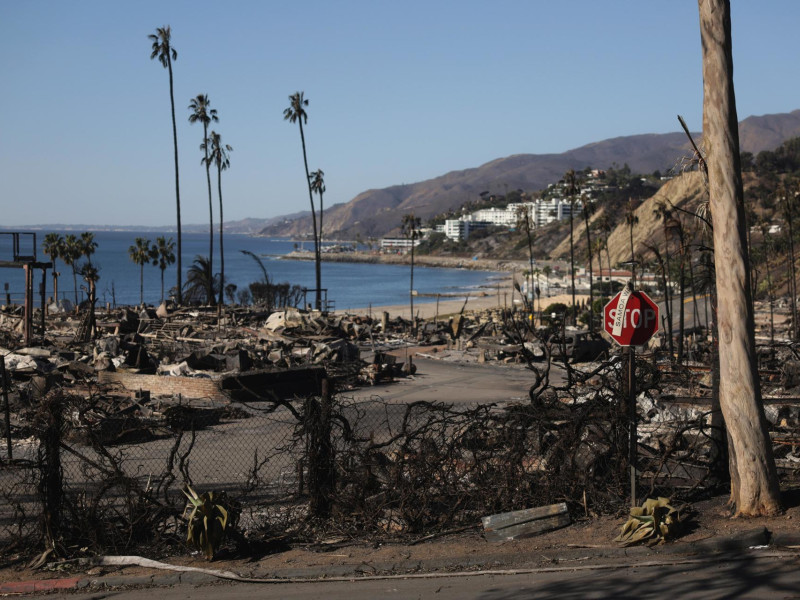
754	480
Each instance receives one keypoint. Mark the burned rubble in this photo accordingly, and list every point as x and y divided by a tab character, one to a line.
202	383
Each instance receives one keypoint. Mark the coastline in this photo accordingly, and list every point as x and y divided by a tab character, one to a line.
445	262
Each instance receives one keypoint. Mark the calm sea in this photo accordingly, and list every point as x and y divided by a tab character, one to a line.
350	285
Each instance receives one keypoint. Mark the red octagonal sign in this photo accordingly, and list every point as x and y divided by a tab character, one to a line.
633	321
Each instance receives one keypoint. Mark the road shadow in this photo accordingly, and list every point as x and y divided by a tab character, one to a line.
740	577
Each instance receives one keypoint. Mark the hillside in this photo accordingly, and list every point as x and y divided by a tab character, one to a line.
373	213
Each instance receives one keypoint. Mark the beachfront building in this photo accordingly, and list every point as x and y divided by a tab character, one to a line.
399	244
459	229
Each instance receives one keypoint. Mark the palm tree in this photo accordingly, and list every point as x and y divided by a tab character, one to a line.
664	283
163	50
570	191
90	274
674	229
141	253
88	245
587	210
71	252
200	282
410	229
201	112
605	228
547	270
597	248
664	213
318	187
163	256
297	112
767	247
219	155
525	223
631	219
53	247
788	205
537	290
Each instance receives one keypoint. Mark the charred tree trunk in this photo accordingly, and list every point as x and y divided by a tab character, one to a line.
754	480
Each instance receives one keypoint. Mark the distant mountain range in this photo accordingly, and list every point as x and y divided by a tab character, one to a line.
377	212
246	226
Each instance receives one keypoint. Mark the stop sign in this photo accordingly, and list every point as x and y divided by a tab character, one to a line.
635	323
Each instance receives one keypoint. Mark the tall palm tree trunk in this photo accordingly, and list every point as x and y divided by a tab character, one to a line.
572	265
411	289
668	296
320	220
55	282
681	303
771	299
177	186
792	268
754	478
141	283
221	244
317	256
591	278
695	308
210	209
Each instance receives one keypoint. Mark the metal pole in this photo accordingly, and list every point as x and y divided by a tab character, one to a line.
44	300
632	420
6	408
28	312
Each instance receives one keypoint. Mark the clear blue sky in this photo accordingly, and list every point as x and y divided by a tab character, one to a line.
399	92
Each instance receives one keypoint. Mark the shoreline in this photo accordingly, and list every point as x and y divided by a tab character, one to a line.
446	308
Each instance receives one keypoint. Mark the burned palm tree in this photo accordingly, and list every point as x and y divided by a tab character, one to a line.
296	112
219	155
166	54
587	210
410	229
201	112
571	190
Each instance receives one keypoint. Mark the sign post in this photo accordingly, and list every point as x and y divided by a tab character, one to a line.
631	319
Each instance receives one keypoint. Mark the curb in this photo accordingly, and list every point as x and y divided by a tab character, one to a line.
40	585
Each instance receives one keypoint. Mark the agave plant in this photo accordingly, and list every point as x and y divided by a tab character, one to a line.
653	522
211	517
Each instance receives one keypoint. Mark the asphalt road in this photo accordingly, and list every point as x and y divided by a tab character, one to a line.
456	383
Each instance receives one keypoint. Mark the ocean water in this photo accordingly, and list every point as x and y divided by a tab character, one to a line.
350	285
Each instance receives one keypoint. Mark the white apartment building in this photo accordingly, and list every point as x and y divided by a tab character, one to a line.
458	229
401	243
542	212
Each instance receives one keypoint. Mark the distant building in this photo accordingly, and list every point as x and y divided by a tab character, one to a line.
401	243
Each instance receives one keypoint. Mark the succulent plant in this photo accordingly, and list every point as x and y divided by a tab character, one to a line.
653	522
212	516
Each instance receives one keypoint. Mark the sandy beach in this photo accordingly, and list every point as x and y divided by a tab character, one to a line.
501	295
507	298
